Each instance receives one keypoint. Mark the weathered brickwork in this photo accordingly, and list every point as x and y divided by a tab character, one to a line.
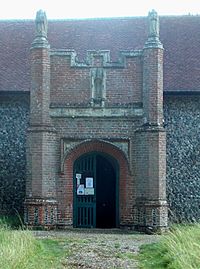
95	128
99	104
153	85
182	119
65	185
71	81
96	89
182	115
40	203
14	116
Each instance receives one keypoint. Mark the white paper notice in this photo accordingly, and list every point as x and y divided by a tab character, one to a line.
78	176
89	182
81	190
89	191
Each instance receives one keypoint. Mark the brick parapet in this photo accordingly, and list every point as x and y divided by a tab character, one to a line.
71	82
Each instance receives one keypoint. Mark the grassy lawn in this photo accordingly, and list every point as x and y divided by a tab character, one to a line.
178	249
20	250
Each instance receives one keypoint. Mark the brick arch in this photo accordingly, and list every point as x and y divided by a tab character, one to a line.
96	145
67	177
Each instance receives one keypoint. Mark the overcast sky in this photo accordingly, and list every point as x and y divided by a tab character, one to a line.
64	9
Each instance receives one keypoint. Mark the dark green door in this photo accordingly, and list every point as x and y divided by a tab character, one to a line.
85	192
95	192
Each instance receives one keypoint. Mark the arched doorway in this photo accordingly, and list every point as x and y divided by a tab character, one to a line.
95	191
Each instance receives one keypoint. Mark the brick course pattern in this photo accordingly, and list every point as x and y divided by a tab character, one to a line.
105	103
181	119
65	186
124	104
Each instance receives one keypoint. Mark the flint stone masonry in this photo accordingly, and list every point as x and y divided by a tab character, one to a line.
14	116
182	119
79	107
105	94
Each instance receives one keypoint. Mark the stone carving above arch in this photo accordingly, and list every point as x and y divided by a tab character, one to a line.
69	145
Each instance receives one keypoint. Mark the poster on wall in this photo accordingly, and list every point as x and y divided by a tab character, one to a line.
78	176
89	191
81	190
89	182
78	179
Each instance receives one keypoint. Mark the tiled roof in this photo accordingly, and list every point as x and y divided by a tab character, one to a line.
180	36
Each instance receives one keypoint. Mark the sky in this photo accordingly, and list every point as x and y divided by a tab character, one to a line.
70	9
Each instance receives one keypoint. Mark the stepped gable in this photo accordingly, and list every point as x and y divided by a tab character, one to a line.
180	36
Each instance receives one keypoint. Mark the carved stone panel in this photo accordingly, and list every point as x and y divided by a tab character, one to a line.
69	144
98	86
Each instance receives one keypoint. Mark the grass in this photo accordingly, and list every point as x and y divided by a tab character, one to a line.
12	221
178	249
19	249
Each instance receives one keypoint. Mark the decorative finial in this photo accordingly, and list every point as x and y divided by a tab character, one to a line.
40	30
153	34
41	24
153	24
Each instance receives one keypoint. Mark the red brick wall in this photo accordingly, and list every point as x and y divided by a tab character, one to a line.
71	85
86	128
40	85
153	85
137	79
68	84
151	164
125	85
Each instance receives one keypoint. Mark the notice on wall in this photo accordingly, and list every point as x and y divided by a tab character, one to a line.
78	176
81	190
89	191
78	179
89	182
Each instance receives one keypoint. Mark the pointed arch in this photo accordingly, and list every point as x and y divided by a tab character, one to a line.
65	190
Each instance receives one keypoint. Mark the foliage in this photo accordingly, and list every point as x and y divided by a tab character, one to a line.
12	221
179	249
19	249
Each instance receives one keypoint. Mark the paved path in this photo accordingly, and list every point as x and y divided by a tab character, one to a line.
100	249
